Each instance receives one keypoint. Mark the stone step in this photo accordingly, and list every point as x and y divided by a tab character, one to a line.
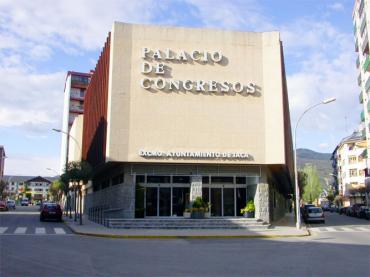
181	223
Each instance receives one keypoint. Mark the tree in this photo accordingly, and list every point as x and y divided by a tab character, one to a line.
302	181
330	196
3	185
56	190
78	174
313	187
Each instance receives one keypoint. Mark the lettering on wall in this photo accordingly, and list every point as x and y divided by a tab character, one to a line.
154	64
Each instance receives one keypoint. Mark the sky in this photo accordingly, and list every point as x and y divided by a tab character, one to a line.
41	40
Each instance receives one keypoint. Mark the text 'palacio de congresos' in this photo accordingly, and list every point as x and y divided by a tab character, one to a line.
173	113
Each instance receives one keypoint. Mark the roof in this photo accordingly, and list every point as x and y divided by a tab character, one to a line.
20	179
38	179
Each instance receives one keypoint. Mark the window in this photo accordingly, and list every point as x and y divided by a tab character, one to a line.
222	180
140	179
352	172
158	179
352	159
205	180
181	179
241	180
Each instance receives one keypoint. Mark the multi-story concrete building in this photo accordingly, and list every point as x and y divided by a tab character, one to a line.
38	186
74	97
361	28
172	114
2	161
350	166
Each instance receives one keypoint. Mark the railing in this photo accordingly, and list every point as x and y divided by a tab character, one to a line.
365	45
358	62
359	79
361	8
363	25
361	98
362	116
367	84
366	63
96	214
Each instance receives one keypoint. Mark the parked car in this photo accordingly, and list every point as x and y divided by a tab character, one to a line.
315	214
356	209
326	208
343	210
3	206
51	211
367	214
334	208
10	204
349	211
304	210
24	202
362	212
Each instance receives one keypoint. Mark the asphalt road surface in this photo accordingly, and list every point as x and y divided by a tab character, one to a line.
325	253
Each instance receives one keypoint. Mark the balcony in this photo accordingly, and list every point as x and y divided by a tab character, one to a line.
76	109
362	116
359	80
367	85
361	98
361	8
77	96
363	26
354	29
358	62
367	64
356	46
368	106
365	45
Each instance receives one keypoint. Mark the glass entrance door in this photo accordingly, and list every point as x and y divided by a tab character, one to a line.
240	200
216	201
180	199
164	201
151	201
229	207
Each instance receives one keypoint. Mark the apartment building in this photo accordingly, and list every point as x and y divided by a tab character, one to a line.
74	98
350	162
361	14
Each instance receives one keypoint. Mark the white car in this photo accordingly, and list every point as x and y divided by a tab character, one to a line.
10	204
24	202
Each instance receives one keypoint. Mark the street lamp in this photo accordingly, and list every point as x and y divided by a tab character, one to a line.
298	212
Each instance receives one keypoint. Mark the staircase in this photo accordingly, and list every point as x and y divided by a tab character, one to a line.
184	223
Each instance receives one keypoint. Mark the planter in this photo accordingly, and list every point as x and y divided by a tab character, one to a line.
249	214
197	215
186	215
207	214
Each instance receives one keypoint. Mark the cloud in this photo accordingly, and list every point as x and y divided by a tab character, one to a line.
30	101
323	145
336	7
31	165
325	67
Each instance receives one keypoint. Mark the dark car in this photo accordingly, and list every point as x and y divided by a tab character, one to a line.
367	213
362	212
315	214
343	210
51	211
3	206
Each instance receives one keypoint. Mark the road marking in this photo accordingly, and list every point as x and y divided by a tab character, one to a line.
20	230
363	228
40	231
3	229
59	231
347	229
330	229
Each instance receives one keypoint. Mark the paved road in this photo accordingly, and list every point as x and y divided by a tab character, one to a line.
323	254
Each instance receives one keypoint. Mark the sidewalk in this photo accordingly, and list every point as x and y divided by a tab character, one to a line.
285	227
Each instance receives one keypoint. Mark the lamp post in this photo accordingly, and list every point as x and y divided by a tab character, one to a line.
79	148
298	212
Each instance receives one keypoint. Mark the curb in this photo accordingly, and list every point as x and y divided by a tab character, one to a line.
116	236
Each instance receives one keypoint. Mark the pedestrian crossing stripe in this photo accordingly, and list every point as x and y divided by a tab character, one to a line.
37	231
40	230
20	230
340	229
3	229
59	231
